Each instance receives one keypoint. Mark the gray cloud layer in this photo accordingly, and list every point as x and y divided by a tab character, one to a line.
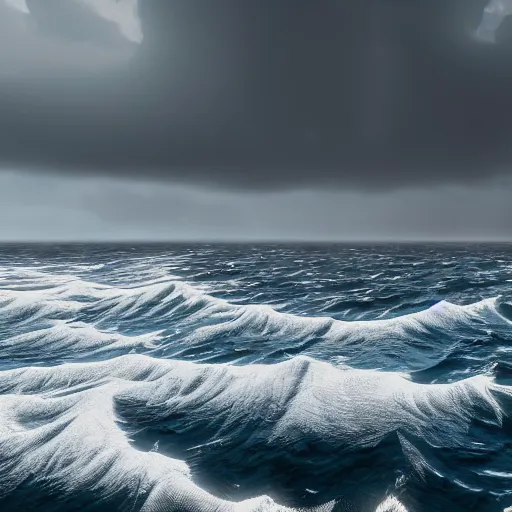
258	95
52	208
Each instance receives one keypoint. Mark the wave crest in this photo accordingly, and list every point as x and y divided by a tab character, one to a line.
78	427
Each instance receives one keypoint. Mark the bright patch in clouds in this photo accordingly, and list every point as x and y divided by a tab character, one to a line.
124	13
494	14
19	5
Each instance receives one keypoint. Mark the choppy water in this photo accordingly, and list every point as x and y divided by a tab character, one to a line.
208	377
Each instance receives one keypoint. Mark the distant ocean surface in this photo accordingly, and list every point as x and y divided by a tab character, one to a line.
227	378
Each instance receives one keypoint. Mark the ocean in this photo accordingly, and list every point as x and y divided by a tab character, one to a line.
255	377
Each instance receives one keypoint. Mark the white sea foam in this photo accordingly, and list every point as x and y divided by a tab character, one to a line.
61	425
391	504
39	298
66	437
73	339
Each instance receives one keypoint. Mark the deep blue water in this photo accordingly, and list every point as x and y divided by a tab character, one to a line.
255	377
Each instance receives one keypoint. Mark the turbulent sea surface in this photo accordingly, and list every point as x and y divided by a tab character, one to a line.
255	378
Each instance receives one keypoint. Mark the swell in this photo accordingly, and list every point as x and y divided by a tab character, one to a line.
64	436
72	341
86	430
188	322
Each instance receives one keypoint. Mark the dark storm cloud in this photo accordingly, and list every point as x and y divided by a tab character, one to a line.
268	94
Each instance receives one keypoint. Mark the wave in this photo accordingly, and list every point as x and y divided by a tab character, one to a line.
391	504
188	318
69	432
79	429
71	340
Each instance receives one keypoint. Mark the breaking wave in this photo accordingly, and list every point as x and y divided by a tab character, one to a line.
123	427
68	310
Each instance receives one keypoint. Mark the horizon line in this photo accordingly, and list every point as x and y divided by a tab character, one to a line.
262	241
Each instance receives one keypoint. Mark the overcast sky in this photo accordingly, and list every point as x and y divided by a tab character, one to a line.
236	119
